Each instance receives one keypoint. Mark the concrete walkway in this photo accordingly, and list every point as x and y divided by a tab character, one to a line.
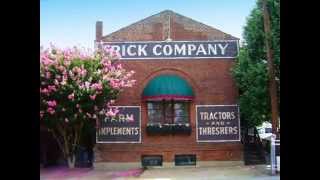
259	172
208	173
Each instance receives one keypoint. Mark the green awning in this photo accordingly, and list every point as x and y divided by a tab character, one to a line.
167	87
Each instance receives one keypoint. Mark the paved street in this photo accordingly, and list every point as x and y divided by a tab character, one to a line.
203	173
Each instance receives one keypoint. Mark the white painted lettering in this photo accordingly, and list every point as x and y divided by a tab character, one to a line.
212	49
191	48
154	50
123	50
223	48
201	50
180	50
167	50
129	52
142	50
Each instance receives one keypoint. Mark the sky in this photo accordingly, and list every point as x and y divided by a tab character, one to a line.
68	23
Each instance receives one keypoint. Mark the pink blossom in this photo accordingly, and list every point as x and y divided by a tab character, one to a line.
52	88
76	69
65	75
111	113
107	65
55	71
130	118
119	66
92	97
63	82
56	82
122	84
66	120
97	86
83	72
46	60
52	103
71	96
67	54
41	114
48	75
114	84
44	91
66	63
87	84
50	110
71	74
107	48
61	68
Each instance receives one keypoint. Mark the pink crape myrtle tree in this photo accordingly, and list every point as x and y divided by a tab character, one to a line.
76	87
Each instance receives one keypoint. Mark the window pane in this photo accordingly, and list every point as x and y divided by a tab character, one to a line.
181	105
181	112
168	109
154	105
168	112
155	116
155	112
177	105
181	119
268	130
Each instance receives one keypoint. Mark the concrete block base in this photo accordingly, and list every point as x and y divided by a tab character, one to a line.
132	165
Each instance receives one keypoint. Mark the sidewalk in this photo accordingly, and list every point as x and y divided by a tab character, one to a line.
215	173
259	172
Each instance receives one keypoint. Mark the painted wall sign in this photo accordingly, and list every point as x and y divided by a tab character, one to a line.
124	128
175	49
217	123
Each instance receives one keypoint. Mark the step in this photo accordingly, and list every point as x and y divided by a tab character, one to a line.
254	163
262	160
255	153
254	156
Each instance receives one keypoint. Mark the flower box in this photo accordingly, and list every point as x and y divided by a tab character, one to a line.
164	129
158	129
181	129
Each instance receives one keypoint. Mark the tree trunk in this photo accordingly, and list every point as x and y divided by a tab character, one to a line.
71	161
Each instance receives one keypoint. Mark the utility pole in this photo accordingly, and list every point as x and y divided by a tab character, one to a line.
272	82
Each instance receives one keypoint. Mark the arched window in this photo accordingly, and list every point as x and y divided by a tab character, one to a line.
168	100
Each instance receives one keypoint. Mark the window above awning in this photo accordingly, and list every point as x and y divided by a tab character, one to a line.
167	87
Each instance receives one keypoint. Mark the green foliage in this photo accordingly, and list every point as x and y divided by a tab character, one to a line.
250	71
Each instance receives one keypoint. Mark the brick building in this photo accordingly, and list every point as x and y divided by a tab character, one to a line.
170	91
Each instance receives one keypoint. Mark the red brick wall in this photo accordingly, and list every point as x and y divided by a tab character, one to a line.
211	81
